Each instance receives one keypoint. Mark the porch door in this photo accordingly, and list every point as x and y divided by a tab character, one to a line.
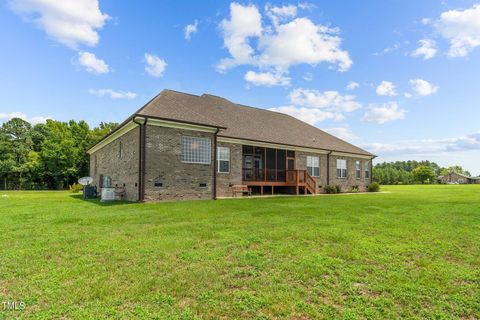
248	168
253	168
291	175
258	167
290	163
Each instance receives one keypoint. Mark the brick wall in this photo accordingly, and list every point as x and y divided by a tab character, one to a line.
224	180
163	165
301	164
123	171
351	180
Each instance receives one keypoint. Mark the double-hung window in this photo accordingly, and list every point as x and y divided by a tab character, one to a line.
341	168
196	150
223	159
358	170
367	169
313	166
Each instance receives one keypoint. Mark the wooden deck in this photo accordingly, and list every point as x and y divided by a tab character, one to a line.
300	179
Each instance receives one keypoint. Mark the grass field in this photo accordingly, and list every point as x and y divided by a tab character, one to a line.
413	252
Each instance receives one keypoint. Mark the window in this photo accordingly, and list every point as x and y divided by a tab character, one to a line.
120	150
223	159
313	166
341	168
196	150
367	169
358	170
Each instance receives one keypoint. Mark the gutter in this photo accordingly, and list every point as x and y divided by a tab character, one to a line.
214	193
328	167
141	158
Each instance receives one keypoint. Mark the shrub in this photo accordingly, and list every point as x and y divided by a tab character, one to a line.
76	187
355	189
330	189
374	187
339	189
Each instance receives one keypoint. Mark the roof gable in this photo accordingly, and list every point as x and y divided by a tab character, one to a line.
243	122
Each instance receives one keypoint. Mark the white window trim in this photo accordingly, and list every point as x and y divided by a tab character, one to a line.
367	169
207	162
358	170
312	166
339	167
218	160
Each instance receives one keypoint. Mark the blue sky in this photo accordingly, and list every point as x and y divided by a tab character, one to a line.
413	67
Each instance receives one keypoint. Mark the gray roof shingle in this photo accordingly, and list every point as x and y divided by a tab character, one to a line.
243	122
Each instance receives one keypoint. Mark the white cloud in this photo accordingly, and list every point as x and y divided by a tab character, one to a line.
385	113
277	46
427	146
386	88
279	14
390	49
245	22
190	29
308	76
312	106
330	100
427	49
113	94
461	28
352	85
70	22
301	41
426	21
267	79
21	115
309	115
92	63
155	65
342	133
422	87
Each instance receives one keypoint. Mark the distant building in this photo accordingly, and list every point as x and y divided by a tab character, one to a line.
458	178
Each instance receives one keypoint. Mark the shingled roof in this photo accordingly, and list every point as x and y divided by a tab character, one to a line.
243	122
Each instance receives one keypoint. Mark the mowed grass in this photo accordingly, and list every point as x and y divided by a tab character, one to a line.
413	252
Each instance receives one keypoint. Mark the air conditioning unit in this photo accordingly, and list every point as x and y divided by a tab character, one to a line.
108	194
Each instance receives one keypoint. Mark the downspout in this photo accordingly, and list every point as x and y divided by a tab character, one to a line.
141	159
328	167
214	193
371	170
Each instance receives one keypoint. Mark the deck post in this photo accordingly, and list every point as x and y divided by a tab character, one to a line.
297	189
261	190
272	189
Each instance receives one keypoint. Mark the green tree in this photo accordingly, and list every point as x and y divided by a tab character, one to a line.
15	144
423	174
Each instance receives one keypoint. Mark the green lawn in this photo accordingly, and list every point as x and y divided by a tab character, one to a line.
413	252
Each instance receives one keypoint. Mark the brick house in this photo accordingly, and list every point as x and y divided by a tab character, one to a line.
458	178
183	146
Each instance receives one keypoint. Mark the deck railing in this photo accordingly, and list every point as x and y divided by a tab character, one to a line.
295	177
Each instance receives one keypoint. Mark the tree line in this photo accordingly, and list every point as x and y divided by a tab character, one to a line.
53	156
412	172
46	156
